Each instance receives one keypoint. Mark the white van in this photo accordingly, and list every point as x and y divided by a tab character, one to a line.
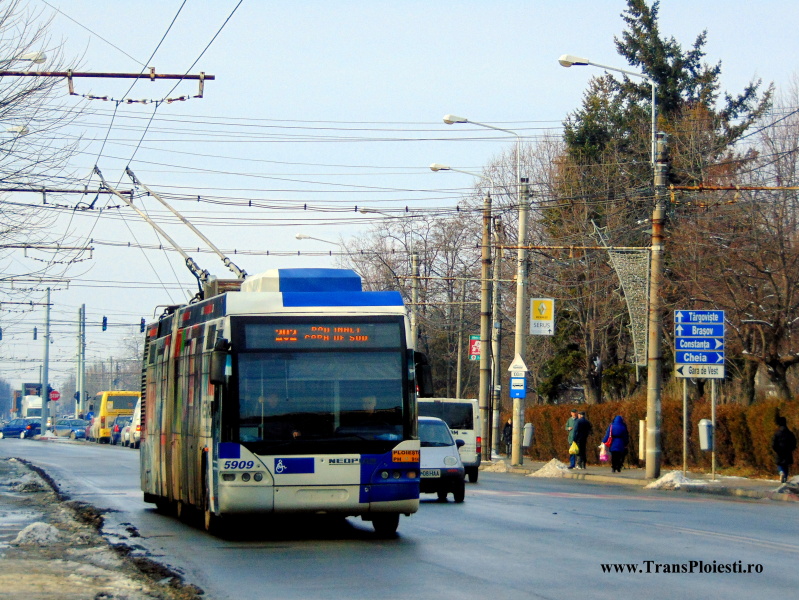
463	417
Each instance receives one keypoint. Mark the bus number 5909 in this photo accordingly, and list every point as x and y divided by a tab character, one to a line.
238	464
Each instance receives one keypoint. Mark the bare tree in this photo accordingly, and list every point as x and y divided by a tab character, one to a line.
33	154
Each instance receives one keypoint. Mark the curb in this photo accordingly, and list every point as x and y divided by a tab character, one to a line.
719	490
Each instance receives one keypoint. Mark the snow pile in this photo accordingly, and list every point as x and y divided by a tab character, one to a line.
674	481
28	483
554	468
791	487
37	534
499	466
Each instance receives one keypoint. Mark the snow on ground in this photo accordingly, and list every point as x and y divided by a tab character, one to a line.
499	466
554	468
676	480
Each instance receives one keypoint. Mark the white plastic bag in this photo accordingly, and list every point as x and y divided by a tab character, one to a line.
604	455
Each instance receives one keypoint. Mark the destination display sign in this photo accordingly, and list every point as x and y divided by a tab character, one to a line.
284	335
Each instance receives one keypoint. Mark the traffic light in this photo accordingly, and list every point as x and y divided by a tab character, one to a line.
105	323
141	328
34	333
1	333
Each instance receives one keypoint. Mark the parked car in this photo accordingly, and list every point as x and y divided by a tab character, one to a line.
74	429
134	439
463	417
22	428
116	428
441	468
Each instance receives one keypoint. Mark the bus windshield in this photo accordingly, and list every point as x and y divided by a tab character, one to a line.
295	398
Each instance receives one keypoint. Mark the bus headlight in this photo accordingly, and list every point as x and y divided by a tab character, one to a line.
245	476
228	476
258	476
384	474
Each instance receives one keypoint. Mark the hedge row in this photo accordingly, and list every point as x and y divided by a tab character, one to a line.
743	433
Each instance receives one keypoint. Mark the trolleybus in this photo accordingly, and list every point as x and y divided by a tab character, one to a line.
296	394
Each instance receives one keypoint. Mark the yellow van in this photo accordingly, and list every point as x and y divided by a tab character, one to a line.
106	407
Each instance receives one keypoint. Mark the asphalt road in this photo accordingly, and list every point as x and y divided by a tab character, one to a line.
514	537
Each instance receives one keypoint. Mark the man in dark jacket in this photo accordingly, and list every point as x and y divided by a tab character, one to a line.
783	443
582	429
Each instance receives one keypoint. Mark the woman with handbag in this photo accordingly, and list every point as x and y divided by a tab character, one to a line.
617	438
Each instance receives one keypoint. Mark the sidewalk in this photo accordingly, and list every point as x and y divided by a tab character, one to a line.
741	487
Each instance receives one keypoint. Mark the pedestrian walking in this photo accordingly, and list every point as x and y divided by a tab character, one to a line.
570	428
507	437
783	443
617	439
582	429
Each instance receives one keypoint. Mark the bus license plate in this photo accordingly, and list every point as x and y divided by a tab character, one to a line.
431	473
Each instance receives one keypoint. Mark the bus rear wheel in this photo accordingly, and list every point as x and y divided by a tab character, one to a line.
386	524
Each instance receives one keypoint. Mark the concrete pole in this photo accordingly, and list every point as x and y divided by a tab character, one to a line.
485	316
46	365
495	347
460	341
415	301
713	422
82	361
521	317
654	358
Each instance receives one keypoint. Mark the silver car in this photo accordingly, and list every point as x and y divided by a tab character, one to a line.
441	469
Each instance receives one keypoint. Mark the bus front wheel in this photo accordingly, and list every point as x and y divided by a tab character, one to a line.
211	521
386	524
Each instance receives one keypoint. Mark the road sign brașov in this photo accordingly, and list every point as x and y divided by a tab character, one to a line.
699	343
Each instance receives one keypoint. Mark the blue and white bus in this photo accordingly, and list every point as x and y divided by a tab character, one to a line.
296	394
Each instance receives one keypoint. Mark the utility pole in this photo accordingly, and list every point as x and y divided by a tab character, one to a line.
654	358
460	341
485	316
521	317
80	374
415	300
46	366
496	324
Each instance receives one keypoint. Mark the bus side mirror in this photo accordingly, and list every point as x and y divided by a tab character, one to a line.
219	358
424	375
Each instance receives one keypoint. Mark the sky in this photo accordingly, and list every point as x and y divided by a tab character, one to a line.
317	109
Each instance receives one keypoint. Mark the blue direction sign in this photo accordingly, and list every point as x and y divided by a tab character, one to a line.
697	330
699	343
693	357
699	316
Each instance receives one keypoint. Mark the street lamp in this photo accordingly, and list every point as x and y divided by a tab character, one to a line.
521	277
654	360
569	60
34	57
302	236
495	351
